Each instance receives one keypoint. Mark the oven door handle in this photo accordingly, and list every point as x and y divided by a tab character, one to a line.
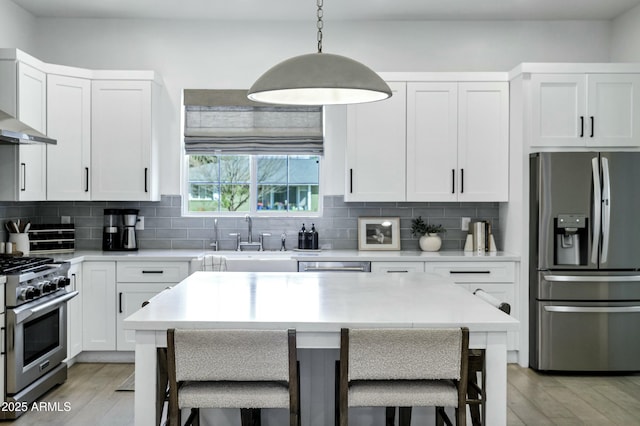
23	315
592	309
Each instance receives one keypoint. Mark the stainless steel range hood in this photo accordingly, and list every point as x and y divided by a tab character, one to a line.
13	131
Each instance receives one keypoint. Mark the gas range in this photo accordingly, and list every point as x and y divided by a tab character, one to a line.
32	278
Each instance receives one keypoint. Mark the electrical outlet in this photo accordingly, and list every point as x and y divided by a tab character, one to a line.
140	223
464	223
65	219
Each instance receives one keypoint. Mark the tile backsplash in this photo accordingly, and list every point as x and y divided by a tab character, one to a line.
165	228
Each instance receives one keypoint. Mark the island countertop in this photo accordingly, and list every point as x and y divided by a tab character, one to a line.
315	302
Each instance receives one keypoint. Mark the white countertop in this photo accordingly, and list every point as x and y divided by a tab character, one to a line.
323	255
315	302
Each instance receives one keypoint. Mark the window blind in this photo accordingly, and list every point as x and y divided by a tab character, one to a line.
225	121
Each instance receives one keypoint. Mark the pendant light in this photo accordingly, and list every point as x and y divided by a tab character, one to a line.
319	79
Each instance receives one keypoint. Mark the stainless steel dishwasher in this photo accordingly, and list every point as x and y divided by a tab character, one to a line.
334	266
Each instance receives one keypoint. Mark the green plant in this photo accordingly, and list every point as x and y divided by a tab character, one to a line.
419	228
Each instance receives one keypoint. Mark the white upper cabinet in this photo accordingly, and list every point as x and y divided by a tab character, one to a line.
122	150
375	157
457	141
23	94
69	122
432	141
585	110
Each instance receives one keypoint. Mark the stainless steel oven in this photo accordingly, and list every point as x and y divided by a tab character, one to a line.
35	329
36	340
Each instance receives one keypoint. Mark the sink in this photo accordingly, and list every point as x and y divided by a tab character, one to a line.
263	261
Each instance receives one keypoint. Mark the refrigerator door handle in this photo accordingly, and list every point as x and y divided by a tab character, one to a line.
591	278
606	209
592	309
597	196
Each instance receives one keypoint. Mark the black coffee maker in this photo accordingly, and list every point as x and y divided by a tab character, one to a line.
118	232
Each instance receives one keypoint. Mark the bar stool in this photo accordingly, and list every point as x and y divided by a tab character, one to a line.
245	369
403	368
476	395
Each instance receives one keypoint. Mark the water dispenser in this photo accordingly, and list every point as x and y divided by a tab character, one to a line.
571	236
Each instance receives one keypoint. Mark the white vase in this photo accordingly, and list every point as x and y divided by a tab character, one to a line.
430	242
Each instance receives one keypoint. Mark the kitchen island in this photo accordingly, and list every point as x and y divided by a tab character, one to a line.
317	306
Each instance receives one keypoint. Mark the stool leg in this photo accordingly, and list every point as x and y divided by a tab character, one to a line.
405	416
390	416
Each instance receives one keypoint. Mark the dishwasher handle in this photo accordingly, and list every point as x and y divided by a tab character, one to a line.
334	269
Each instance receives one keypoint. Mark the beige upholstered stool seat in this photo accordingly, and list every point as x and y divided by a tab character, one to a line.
403	393
234	395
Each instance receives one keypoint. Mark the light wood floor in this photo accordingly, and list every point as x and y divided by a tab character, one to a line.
533	399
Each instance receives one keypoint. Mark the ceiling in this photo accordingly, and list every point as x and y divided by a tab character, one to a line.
333	9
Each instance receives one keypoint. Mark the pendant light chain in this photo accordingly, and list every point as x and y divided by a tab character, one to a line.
320	25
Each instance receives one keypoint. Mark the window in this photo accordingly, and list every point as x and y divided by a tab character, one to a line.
245	157
269	184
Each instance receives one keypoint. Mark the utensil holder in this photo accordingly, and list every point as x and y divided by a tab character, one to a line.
21	242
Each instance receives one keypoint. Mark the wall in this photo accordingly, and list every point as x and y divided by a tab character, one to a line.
625	39
16	27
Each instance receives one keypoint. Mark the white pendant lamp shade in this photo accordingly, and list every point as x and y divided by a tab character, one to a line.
319	79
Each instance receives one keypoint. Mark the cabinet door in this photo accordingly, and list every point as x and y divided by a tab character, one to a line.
99	306
121	140
375	156
559	116
432	133
130	299
614	110
32	172
32	97
69	122
74	313
32	110
483	142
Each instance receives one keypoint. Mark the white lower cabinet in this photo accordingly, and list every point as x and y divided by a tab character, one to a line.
114	290
74	313
138	282
99	306
397	267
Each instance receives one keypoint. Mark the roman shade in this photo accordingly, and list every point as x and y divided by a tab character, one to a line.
225	121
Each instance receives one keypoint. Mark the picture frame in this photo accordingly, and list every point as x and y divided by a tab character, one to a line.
378	233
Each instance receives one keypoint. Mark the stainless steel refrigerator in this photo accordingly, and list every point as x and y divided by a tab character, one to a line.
585	261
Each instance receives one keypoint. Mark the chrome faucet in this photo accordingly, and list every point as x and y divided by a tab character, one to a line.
214	244
250	225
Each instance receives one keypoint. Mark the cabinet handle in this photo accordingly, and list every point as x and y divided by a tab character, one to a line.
120	302
592	125
86	179
453	181
469	272
75	280
23	166
582	126
351	181
461	181
146	173
396	272
153	272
